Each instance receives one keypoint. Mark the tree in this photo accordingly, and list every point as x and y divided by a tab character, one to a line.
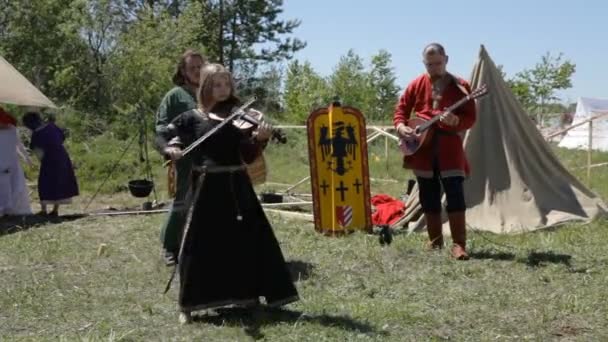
137	8
382	84
305	91
145	58
6	5
520	89
266	87
523	93
109	57
100	24
548	76
42	42
247	30
350	82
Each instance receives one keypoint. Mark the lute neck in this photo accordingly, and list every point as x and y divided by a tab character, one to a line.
436	118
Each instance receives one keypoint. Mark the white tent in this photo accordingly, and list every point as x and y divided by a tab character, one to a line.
16	89
578	137
517	183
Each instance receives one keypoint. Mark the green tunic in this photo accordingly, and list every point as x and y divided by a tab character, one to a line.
178	100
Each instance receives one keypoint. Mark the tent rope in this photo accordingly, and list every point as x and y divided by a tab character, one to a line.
111	171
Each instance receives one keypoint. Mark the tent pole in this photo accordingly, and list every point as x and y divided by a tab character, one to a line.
111	171
386	153
148	166
589	152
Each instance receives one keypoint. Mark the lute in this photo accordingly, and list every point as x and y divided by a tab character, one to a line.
421	126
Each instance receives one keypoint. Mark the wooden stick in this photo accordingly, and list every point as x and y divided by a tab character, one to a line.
299	197
285	204
129	212
576	125
386	128
298	194
394	137
591	166
386	153
384	180
372	136
290	126
159	211
295	185
292	214
277	184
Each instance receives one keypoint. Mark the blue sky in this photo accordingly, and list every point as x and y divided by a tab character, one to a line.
516	34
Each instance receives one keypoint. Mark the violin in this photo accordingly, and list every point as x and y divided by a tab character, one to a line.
234	118
250	120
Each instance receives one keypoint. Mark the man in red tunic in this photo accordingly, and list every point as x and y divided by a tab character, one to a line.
442	162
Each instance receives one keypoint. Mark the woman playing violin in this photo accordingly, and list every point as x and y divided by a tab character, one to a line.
229	254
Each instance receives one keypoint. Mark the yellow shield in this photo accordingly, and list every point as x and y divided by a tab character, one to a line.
337	148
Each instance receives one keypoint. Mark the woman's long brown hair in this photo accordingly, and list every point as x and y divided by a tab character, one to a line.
204	95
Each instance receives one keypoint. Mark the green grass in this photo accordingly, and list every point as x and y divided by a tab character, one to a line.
538	286
542	286
576	162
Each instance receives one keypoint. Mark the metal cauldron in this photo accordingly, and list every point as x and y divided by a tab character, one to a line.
141	187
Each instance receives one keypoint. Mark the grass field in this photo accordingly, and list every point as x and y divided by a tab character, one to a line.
57	284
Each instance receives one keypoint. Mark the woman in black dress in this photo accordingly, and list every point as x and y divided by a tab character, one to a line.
229	254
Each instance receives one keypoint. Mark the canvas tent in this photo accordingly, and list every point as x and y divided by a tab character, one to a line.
517	183
16	89
578	137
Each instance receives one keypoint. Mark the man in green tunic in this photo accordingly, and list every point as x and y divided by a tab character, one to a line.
180	99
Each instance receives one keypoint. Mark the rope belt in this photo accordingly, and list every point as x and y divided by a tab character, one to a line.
220	168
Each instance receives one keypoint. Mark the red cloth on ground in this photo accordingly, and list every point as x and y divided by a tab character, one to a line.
6	118
388	209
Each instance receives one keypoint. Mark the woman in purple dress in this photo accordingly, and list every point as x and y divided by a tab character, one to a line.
56	182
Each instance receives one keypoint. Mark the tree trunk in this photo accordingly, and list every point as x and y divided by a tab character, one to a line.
539	114
233	43
220	40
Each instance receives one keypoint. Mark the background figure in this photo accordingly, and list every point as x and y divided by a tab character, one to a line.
178	100
14	199
56	181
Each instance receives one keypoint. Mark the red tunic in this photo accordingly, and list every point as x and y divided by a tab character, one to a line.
418	98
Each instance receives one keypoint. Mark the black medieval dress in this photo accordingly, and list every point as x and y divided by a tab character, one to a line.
229	254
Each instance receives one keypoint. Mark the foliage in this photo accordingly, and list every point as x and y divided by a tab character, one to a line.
113	57
241	26
266	86
350	83
383	88
142	68
41	40
535	88
305	90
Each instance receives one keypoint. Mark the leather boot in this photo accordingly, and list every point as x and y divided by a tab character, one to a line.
434	228
459	235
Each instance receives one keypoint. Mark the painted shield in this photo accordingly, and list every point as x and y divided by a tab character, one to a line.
337	149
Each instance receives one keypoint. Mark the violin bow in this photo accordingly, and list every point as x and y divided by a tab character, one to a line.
238	112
